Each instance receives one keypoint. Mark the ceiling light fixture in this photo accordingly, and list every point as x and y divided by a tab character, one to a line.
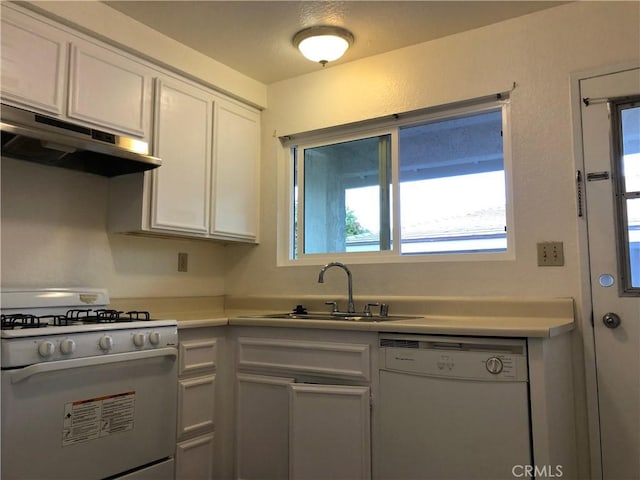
323	43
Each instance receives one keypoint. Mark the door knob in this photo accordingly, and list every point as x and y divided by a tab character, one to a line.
611	320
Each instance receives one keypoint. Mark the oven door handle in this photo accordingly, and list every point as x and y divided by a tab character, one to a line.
38	368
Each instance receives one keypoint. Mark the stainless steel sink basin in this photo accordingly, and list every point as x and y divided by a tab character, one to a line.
330	316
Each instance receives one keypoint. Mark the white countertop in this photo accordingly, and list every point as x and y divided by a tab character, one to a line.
201	323
452	325
440	325
480	316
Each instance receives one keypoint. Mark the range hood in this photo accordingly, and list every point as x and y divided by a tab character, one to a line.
37	138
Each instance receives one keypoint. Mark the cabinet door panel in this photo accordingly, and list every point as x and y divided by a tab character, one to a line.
196	355
194	459
237	171
34	58
333	359
181	186
262	427
196	404
109	90
329	432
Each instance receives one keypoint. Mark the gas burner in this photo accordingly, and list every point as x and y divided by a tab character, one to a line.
139	315
72	317
20	320
102	315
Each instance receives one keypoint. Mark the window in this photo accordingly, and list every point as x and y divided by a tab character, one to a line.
345	195
626	128
419	186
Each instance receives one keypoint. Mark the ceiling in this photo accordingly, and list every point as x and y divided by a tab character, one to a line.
254	37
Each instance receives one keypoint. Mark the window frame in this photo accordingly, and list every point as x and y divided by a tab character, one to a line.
622	195
371	128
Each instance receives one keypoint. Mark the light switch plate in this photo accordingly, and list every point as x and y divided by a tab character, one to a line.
550	254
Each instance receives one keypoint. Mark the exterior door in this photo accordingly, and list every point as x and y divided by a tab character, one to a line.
611	143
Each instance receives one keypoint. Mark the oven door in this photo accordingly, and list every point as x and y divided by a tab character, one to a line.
90	418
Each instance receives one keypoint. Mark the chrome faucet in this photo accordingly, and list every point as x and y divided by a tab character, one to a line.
351	307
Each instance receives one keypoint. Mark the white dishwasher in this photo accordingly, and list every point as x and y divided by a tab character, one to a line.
452	408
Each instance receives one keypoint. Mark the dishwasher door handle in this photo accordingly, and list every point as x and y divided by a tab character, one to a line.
46	367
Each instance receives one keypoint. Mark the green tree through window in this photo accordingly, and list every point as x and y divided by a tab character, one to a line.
353	225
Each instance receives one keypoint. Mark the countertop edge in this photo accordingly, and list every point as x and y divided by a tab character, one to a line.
206	322
510	327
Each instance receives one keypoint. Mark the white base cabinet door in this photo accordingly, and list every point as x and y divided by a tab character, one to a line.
196	397
197	442
193	458
329	432
262	428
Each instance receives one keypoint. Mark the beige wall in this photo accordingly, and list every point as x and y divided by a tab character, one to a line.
54	221
538	52
54	233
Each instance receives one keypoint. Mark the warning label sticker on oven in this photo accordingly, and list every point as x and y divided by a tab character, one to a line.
97	417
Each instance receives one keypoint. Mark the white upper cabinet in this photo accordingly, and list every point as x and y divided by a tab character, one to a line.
183	138
237	171
34	60
110	90
209	144
207	186
55	71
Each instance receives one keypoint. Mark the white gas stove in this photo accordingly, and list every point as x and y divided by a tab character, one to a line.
95	388
57	324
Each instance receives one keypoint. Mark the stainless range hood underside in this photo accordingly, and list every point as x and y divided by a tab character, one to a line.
36	138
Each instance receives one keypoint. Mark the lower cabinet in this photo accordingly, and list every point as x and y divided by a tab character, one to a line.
194	458
329	432
309	415
196	404
262	428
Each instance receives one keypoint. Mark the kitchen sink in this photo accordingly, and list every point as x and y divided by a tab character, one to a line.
354	317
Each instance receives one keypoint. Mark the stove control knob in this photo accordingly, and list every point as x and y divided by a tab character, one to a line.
105	343
154	338
68	346
138	339
46	349
494	365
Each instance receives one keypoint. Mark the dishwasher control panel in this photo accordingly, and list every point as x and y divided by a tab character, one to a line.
470	358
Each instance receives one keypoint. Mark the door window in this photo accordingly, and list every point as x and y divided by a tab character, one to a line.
626	131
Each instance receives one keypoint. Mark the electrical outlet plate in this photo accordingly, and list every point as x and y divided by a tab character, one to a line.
183	262
550	254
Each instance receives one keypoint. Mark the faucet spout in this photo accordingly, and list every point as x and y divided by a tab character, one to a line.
351	307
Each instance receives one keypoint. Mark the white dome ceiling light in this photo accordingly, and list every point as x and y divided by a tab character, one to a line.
323	44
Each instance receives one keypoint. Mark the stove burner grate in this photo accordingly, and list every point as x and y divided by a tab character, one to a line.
20	320
72	317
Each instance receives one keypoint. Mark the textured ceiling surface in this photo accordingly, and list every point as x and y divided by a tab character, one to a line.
254	37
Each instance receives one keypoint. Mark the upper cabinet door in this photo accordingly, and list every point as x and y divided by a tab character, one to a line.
183	131
237	171
34	59
109	90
